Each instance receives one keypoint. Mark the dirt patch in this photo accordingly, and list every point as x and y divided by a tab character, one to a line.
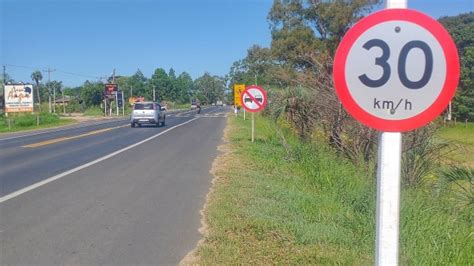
218	164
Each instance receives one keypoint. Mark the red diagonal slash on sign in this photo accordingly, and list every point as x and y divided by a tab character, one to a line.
254	99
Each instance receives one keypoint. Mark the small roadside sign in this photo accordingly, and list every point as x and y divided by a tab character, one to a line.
254	98
396	70
238	89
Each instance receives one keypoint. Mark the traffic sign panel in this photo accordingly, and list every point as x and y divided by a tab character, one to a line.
254	98
238	89
396	70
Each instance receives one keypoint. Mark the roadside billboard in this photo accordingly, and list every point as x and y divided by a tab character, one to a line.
110	90
18	98
238	89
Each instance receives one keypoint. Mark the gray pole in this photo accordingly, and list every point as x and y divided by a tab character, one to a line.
49	90
54	99
64	106
388	188
123	103
4	83
154	98
116	102
49	87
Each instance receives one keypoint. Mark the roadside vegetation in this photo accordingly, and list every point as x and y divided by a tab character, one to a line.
282	200
20	122
304	192
462	136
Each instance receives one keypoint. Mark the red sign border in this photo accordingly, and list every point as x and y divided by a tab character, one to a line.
447	92
265	97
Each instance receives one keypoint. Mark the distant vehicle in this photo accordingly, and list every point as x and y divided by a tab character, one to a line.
149	113
219	103
195	104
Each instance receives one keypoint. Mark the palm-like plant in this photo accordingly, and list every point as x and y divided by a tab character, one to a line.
37	77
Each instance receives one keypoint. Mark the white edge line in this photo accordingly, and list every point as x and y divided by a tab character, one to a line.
56	177
52	130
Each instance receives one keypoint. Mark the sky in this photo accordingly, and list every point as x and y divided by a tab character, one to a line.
86	39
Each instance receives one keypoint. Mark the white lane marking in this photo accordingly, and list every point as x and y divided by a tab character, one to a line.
56	177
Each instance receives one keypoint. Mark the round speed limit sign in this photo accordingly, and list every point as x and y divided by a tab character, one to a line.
396	70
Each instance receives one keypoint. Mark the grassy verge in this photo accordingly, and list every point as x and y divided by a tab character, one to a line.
463	136
23	122
304	205
95	111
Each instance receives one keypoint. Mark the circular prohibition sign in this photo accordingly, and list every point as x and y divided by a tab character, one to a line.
396	70
254	98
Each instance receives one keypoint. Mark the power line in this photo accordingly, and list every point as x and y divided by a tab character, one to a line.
58	70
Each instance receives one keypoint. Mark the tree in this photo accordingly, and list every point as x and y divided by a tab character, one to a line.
210	88
162	83
92	93
185	87
36	76
461	28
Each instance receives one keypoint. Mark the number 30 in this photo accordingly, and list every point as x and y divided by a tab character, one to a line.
402	61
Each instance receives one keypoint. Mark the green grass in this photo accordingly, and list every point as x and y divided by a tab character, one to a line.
308	206
463	136
95	111
22	122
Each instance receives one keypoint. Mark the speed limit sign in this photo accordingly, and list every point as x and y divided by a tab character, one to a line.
396	70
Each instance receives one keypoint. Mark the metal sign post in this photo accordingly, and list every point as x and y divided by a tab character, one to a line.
123	104
394	71
253	127
116	102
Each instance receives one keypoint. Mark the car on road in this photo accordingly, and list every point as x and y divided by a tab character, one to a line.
147	113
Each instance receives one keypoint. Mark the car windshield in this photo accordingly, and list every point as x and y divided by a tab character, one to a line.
143	106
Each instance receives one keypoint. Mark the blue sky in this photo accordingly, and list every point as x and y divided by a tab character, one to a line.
93	37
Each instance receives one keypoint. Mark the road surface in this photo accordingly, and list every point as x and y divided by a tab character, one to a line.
105	193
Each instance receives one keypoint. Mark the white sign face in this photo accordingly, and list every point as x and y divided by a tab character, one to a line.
254	99
397	76
396	70
19	98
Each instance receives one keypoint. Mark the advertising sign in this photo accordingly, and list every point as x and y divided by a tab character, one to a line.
110	90
18	98
396	70
238	89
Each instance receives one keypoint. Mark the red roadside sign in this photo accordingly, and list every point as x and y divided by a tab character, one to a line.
254	98
396	70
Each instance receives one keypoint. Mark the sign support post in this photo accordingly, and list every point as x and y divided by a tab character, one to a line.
253	127
380	94
253	99
388	188
388	198
123	104
116	102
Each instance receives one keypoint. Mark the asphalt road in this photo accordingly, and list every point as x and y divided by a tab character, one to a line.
105	193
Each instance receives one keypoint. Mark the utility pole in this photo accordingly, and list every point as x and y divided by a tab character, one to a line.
154	98
49	87
2	103
64	105
54	99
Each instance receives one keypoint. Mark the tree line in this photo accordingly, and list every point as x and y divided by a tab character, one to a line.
168	87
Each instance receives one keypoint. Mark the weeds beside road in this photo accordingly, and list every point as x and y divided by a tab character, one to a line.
302	204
